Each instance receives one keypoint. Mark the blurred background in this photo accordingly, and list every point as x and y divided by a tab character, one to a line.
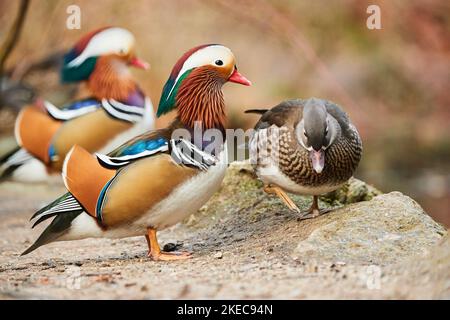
393	82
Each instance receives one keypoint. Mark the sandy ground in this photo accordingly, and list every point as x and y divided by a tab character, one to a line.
237	254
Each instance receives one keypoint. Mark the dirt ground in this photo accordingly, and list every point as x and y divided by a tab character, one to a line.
241	250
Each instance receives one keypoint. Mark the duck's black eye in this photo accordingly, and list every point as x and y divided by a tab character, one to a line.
219	62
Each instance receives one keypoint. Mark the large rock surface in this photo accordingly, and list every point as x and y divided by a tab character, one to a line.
246	245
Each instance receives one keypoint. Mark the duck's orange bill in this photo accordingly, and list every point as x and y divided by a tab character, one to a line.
239	78
138	63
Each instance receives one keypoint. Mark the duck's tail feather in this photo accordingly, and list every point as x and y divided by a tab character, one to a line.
257	111
13	160
66	208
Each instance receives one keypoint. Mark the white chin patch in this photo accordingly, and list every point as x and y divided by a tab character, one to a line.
318	168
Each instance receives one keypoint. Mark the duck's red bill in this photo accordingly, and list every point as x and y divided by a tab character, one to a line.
138	63
239	78
317	159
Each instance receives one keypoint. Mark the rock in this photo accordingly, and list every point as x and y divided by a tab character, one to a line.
353	191
366	227
246	245
381	231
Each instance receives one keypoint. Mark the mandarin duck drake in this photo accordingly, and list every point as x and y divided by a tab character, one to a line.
156	179
307	147
116	111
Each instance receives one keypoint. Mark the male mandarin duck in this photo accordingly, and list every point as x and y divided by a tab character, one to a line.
116	111
157	179
304	147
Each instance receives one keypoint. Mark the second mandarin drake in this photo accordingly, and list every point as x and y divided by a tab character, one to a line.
116	110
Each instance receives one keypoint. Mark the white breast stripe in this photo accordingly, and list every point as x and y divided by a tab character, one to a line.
184	152
65	115
118	162
119	114
126	108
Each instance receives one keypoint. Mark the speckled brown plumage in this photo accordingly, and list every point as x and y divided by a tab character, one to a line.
342	157
341	161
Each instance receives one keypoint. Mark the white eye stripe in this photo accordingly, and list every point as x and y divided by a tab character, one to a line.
112	40
204	56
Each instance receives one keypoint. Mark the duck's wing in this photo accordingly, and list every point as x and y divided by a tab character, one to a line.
36	125
339	114
88	178
287	113
148	168
65	209
72	110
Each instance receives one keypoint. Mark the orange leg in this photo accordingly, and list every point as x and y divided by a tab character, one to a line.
272	189
155	253
314	211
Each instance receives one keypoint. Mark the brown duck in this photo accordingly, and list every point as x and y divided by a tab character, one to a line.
304	147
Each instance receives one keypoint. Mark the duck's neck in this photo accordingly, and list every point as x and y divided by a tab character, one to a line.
200	99
111	79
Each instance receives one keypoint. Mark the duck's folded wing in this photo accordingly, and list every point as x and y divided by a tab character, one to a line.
73	110
182	151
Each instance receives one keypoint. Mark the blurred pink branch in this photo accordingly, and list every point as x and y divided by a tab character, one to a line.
14	34
265	15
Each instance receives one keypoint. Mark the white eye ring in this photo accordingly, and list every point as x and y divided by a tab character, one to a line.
304	133
326	130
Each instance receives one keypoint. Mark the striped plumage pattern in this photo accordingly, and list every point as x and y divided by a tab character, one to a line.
186	153
16	158
121	111
65	204
183	152
341	160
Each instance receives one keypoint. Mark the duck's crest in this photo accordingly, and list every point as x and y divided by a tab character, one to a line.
169	93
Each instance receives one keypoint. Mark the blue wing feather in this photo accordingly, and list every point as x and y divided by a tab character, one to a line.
76	105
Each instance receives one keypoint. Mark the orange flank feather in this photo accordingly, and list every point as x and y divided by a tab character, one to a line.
35	130
91	131
85	178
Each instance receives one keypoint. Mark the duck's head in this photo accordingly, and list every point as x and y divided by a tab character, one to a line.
316	132
206	66
115	43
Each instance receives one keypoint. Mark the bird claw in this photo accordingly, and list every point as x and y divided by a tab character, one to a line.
170	256
312	213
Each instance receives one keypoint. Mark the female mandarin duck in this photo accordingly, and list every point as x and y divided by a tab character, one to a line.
117	110
304	147
155	180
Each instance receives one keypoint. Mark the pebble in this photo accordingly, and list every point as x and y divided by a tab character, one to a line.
168	247
218	255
